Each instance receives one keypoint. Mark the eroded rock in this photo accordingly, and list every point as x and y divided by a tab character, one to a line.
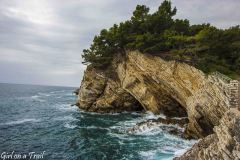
153	84
101	94
224	144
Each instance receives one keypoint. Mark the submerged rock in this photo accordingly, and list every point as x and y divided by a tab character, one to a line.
76	91
163	123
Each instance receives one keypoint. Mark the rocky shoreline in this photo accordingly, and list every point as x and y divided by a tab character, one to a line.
223	144
138	82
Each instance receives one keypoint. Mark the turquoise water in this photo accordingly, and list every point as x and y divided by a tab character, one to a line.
41	119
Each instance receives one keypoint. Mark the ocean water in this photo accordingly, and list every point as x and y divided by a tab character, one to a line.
41	119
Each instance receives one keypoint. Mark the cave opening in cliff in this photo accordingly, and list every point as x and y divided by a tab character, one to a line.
138	106
173	109
130	103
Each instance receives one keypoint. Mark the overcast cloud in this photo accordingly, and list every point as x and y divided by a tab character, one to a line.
41	41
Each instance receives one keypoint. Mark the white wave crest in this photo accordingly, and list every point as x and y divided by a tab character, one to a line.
148	154
95	127
44	94
32	98
22	121
37	98
144	129
148	130
180	152
53	92
67	125
66	107
150	115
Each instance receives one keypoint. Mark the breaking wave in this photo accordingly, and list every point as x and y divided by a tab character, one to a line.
31	120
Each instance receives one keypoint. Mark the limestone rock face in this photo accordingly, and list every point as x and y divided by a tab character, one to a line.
169	87
224	144
92	87
100	94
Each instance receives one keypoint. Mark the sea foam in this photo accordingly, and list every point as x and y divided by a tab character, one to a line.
67	125
22	121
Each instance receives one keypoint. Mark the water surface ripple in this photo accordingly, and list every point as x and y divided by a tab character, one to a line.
41	118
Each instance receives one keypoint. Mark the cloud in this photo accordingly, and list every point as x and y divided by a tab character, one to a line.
41	41
220	13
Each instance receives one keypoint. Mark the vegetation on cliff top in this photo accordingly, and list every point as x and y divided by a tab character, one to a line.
204	46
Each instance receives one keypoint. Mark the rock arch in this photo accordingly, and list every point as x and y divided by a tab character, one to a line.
169	86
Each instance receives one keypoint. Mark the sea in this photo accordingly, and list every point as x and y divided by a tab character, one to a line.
39	121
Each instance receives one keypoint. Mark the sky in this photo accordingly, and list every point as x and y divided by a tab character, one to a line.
41	41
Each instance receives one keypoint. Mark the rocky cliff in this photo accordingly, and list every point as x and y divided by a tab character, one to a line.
224	144
136	82
144	82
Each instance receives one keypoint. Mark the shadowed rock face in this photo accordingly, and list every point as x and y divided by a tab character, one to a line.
150	83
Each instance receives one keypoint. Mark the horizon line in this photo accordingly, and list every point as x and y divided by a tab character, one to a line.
44	85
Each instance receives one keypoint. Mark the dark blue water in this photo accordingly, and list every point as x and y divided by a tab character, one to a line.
41	118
